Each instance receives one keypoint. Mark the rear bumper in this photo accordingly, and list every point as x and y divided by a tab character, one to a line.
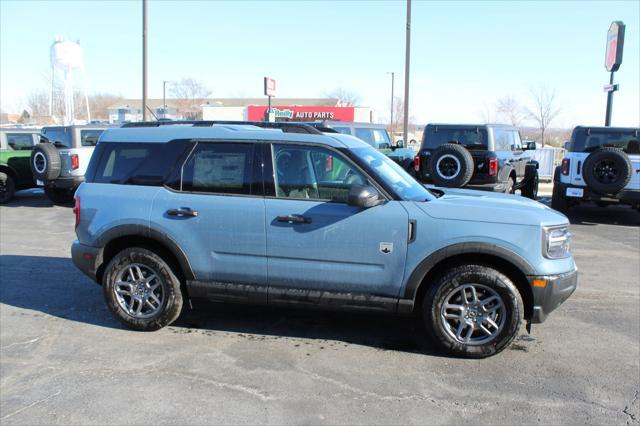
493	187
626	196
65	182
558	289
86	258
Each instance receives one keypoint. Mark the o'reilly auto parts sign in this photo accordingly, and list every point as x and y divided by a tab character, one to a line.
302	113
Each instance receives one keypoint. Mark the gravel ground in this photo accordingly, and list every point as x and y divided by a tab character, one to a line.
65	360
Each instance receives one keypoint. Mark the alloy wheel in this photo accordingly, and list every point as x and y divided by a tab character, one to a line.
139	291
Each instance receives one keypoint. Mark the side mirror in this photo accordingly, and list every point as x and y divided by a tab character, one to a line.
364	197
566	146
531	146
400	143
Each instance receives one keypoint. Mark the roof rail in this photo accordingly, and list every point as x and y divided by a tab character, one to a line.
285	126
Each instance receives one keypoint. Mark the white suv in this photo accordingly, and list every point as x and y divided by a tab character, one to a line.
60	160
602	164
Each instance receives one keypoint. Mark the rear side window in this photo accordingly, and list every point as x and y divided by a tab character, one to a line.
20	141
135	163
587	141
59	136
224	168
90	137
472	138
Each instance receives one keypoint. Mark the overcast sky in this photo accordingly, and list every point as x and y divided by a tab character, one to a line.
465	55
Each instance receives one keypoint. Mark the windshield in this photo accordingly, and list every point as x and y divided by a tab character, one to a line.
475	138
584	141
393	175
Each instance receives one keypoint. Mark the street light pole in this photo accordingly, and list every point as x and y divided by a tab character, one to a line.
144	60
407	55
391	116
164	99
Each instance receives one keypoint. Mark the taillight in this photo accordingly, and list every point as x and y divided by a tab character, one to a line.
493	166
565	166
76	209
75	161
416	163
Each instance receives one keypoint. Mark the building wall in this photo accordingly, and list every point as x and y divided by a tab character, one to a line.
224	113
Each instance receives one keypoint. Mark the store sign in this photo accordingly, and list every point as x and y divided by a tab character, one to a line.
302	113
269	86
615	42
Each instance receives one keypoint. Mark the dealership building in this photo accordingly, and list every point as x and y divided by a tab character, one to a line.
242	109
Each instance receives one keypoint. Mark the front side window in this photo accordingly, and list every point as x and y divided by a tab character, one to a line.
366	135
20	141
90	137
313	173
225	168
516	142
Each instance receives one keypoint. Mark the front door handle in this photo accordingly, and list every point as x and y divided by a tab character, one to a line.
294	219
182	212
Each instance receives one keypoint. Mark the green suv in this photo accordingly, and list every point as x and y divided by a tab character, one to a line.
15	150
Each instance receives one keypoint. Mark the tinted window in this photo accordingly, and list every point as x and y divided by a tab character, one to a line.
628	140
503	139
225	168
345	130
472	138
135	163
90	137
20	141
59	136
309	172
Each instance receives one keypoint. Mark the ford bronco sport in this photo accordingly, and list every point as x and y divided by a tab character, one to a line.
59	162
487	157
15	149
236	213
602	164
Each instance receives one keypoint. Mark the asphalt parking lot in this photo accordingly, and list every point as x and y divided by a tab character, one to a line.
65	360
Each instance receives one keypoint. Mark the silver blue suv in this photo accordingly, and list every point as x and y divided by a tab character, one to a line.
171	212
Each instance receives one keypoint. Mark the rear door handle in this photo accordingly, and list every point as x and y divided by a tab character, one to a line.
294	218
182	212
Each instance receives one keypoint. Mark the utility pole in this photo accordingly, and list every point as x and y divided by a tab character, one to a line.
144	60
407	56
164	99
391	116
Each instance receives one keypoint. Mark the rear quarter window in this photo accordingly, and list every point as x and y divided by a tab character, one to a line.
135	163
20	141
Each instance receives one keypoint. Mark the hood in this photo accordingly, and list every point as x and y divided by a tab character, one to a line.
482	206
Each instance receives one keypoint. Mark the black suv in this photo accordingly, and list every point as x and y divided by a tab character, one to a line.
488	157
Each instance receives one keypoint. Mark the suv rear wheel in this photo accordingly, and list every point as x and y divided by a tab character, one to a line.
473	311
141	290
530	189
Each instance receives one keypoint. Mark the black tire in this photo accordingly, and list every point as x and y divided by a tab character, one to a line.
169	286
59	195
487	281
45	161
607	170
7	188
530	189
559	201
451	165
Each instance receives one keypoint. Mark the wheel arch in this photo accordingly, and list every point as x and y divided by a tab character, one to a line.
127	236
505	261
5	168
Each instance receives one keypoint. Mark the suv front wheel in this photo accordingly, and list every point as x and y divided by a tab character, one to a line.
141	290
472	311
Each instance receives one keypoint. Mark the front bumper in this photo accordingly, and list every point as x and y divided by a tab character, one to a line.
558	288
86	258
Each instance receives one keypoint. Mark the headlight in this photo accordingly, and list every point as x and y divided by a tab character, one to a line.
556	241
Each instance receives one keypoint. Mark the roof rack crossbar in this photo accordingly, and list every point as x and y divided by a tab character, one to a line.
285	126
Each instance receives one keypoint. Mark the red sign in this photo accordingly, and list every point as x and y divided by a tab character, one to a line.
615	41
302	113
269	86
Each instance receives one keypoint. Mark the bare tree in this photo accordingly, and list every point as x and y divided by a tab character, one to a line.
99	104
510	111
38	103
189	94
544	109
487	114
346	97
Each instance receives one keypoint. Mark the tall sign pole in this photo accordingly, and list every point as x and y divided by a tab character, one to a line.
407	56
393	74
612	61
144	60
269	92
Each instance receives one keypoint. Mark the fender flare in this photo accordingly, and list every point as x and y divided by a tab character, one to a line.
428	263
139	230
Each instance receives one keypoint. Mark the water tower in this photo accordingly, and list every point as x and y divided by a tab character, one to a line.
67	61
